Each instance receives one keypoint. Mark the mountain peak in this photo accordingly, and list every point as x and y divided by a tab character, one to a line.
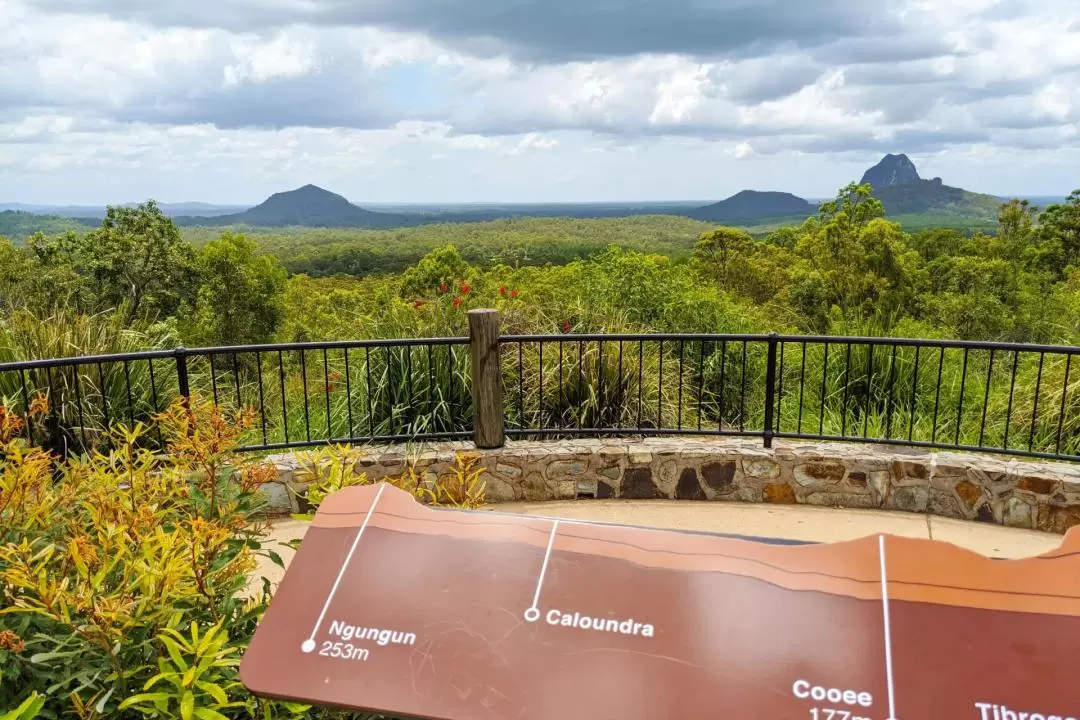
891	170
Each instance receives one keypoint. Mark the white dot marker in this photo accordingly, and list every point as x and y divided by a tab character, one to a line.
308	645
532	615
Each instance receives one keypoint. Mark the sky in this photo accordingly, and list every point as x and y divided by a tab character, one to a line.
227	101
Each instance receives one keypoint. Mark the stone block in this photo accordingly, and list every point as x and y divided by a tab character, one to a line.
507	469
761	468
779	494
910	499
857	478
277	498
1038	485
637	484
819	473
689	488
1019	513
561	468
719	475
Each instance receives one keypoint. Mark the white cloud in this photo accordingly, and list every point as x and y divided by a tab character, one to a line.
192	98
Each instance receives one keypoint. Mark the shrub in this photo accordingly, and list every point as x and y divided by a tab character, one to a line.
124	576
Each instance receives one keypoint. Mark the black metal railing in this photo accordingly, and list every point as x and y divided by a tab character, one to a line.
982	396
302	394
975	396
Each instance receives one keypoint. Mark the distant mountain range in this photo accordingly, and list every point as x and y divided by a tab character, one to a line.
895	180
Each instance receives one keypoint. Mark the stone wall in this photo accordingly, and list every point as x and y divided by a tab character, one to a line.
1042	496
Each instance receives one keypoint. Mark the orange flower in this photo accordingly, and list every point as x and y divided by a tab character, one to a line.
566	326
457	302
513	294
11	642
419	304
502	291
465	287
329	387
443	287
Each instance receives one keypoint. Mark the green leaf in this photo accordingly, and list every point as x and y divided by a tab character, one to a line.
213	691
100	704
158	699
207	714
187	705
29	708
39	658
275	558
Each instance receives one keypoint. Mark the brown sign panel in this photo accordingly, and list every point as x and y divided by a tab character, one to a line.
393	607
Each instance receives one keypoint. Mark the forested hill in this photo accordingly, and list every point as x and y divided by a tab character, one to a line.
17	225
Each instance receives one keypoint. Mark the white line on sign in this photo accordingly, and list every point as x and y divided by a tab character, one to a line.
309	644
533	613
888	628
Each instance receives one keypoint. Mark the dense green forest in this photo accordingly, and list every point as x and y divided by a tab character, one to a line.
135	283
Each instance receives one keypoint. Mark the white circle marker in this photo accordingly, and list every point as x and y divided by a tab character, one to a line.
531	615
308	645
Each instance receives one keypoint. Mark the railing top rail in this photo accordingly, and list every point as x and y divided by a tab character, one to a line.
831	339
224	350
567	337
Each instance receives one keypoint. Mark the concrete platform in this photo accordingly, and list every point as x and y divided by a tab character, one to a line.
790	522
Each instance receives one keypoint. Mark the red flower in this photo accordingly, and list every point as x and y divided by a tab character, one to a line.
465	287
566	326
335	376
502	291
457	301
419	304
513	294
443	287
329	387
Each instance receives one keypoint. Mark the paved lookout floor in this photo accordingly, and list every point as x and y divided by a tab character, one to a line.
793	522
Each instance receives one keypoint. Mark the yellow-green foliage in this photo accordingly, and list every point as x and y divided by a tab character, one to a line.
121	574
335	467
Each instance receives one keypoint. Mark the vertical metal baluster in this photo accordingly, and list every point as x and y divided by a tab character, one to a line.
779	387
986	396
328	386
430	378
562	389
802	386
622	390
348	393
307	408
1012	387
262	401
213	378
937	394
601	403
1035	409
824	376
681	348
79	404
370	404
723	369
54	399
410	388
540	424
154	399
889	399
521	387
236	380
960	403
390	394
660	389
640	378
700	380
1061	412
130	399
580	383
26	403
104	395
847	383
914	389
281	381
869	387
742	391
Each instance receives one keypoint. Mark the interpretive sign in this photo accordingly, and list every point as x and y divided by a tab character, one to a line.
393	607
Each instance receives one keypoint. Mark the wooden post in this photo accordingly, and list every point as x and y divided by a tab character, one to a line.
488	431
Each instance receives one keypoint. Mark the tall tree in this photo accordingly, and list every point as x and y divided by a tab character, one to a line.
137	260
241	298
